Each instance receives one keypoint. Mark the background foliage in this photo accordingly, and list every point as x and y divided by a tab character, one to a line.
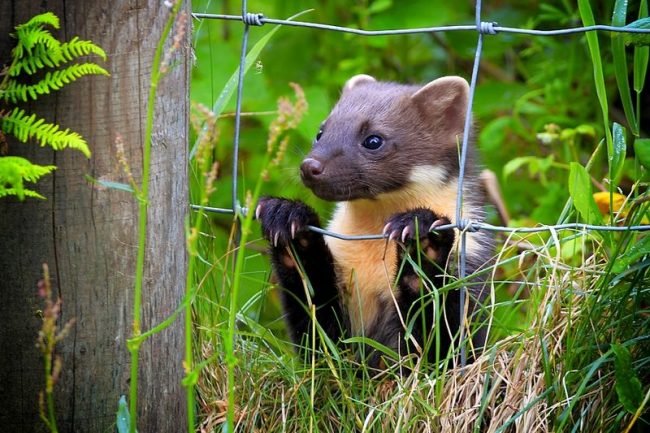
539	123
535	107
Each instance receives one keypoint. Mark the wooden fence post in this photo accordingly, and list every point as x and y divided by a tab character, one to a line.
88	235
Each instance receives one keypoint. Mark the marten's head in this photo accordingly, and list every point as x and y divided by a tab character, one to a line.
379	134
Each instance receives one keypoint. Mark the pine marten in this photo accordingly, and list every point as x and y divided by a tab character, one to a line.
389	155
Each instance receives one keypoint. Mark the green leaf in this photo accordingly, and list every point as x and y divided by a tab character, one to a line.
628	386
14	171
77	48
535	165
110	184
594	50
29	38
16	92
599	80
41	56
580	191
641	55
642	151
47	18
25	127
636	251
617	159
123	419
379	6
229	88
638	39
374	344
620	64
191	378
514	164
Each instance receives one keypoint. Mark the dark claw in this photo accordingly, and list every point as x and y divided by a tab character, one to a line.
438	223
402	225
283	220
406	233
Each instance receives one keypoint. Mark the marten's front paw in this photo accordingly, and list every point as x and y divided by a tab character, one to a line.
284	220
406	225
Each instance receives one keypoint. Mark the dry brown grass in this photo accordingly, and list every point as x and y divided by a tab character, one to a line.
527	382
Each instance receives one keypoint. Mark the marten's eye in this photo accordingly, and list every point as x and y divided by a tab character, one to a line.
319	135
373	142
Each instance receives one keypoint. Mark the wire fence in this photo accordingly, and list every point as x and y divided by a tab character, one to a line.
463	225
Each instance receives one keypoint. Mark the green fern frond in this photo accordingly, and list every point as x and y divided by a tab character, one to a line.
16	92
25	127
14	171
21	193
44	19
32	34
76	48
41	57
29	38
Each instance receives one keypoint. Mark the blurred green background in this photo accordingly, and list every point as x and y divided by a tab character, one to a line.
535	107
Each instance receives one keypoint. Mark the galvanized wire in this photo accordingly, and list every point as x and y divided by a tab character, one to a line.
261	19
240	90
464	225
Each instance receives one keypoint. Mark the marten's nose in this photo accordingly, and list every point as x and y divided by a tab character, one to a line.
310	167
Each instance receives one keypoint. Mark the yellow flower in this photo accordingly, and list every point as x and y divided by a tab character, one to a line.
602	200
618	200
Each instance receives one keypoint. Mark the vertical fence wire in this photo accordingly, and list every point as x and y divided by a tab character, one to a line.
460	223
240	90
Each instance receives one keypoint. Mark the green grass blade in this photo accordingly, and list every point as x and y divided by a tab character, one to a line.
374	344
619	151
110	184
231	84
620	64
587	17
594	50
641	54
638	39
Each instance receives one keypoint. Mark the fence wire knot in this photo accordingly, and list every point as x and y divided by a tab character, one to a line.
252	19
487	28
465	224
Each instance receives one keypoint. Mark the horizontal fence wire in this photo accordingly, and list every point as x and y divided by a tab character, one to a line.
464	225
490	27
471	226
258	19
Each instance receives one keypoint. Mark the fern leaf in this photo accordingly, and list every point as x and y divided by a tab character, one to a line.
41	57
28	38
14	171
25	127
21	193
32	34
44	19
15	92
76	48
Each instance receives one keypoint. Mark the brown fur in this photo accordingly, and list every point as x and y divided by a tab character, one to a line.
386	153
422	127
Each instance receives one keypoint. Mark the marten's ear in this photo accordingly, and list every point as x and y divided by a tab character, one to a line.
444	101
357	80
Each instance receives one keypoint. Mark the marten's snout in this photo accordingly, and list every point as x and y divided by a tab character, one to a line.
310	168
